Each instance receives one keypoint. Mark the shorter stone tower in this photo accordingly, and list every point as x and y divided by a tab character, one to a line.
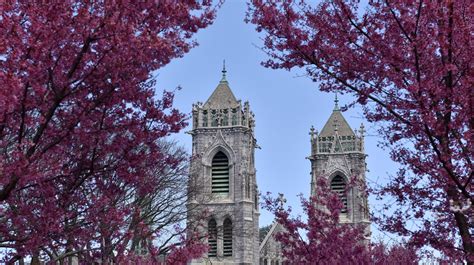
223	186
337	154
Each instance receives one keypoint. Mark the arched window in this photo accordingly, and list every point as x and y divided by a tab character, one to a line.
225	118
256	200
204	118
220	173
234	117
247	186
338	185
212	240
227	237
214	118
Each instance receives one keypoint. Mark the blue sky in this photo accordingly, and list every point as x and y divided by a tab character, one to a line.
285	104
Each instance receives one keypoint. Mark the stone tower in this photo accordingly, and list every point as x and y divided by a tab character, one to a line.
337	154
223	187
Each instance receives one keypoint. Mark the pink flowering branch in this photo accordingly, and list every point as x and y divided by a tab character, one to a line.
409	65
320	237
81	126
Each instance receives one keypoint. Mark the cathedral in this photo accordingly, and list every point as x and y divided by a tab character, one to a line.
223	186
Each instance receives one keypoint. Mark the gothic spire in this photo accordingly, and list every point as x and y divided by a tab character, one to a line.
222	97
336	123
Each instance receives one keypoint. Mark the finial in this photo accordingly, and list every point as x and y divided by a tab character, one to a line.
223	73
336	103
362	130
281	200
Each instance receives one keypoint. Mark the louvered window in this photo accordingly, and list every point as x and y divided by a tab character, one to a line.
338	185
212	240
220	173
227	238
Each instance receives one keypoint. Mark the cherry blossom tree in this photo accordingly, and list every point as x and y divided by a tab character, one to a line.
409	64
80	120
382	254
321	238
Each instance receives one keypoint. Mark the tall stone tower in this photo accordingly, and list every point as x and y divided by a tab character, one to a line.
223	186
337	154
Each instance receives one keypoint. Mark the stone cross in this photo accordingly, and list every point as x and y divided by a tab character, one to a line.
311	132
362	130
281	199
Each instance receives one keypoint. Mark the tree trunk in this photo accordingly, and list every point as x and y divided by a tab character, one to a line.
35	259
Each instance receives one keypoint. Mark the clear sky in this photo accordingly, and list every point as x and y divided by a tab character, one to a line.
285	104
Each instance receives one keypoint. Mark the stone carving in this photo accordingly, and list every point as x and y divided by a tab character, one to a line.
337	163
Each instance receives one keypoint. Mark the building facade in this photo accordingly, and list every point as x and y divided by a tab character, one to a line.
338	155
223	187
223	198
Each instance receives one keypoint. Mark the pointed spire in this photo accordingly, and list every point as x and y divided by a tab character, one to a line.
222	97
336	123
336	103
223	73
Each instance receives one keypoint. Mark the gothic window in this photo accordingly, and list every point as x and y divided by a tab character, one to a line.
234	117
227	238
214	118
325	147
220	173
212	240
204	118
256	200
225	118
348	146
338	185
247	186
